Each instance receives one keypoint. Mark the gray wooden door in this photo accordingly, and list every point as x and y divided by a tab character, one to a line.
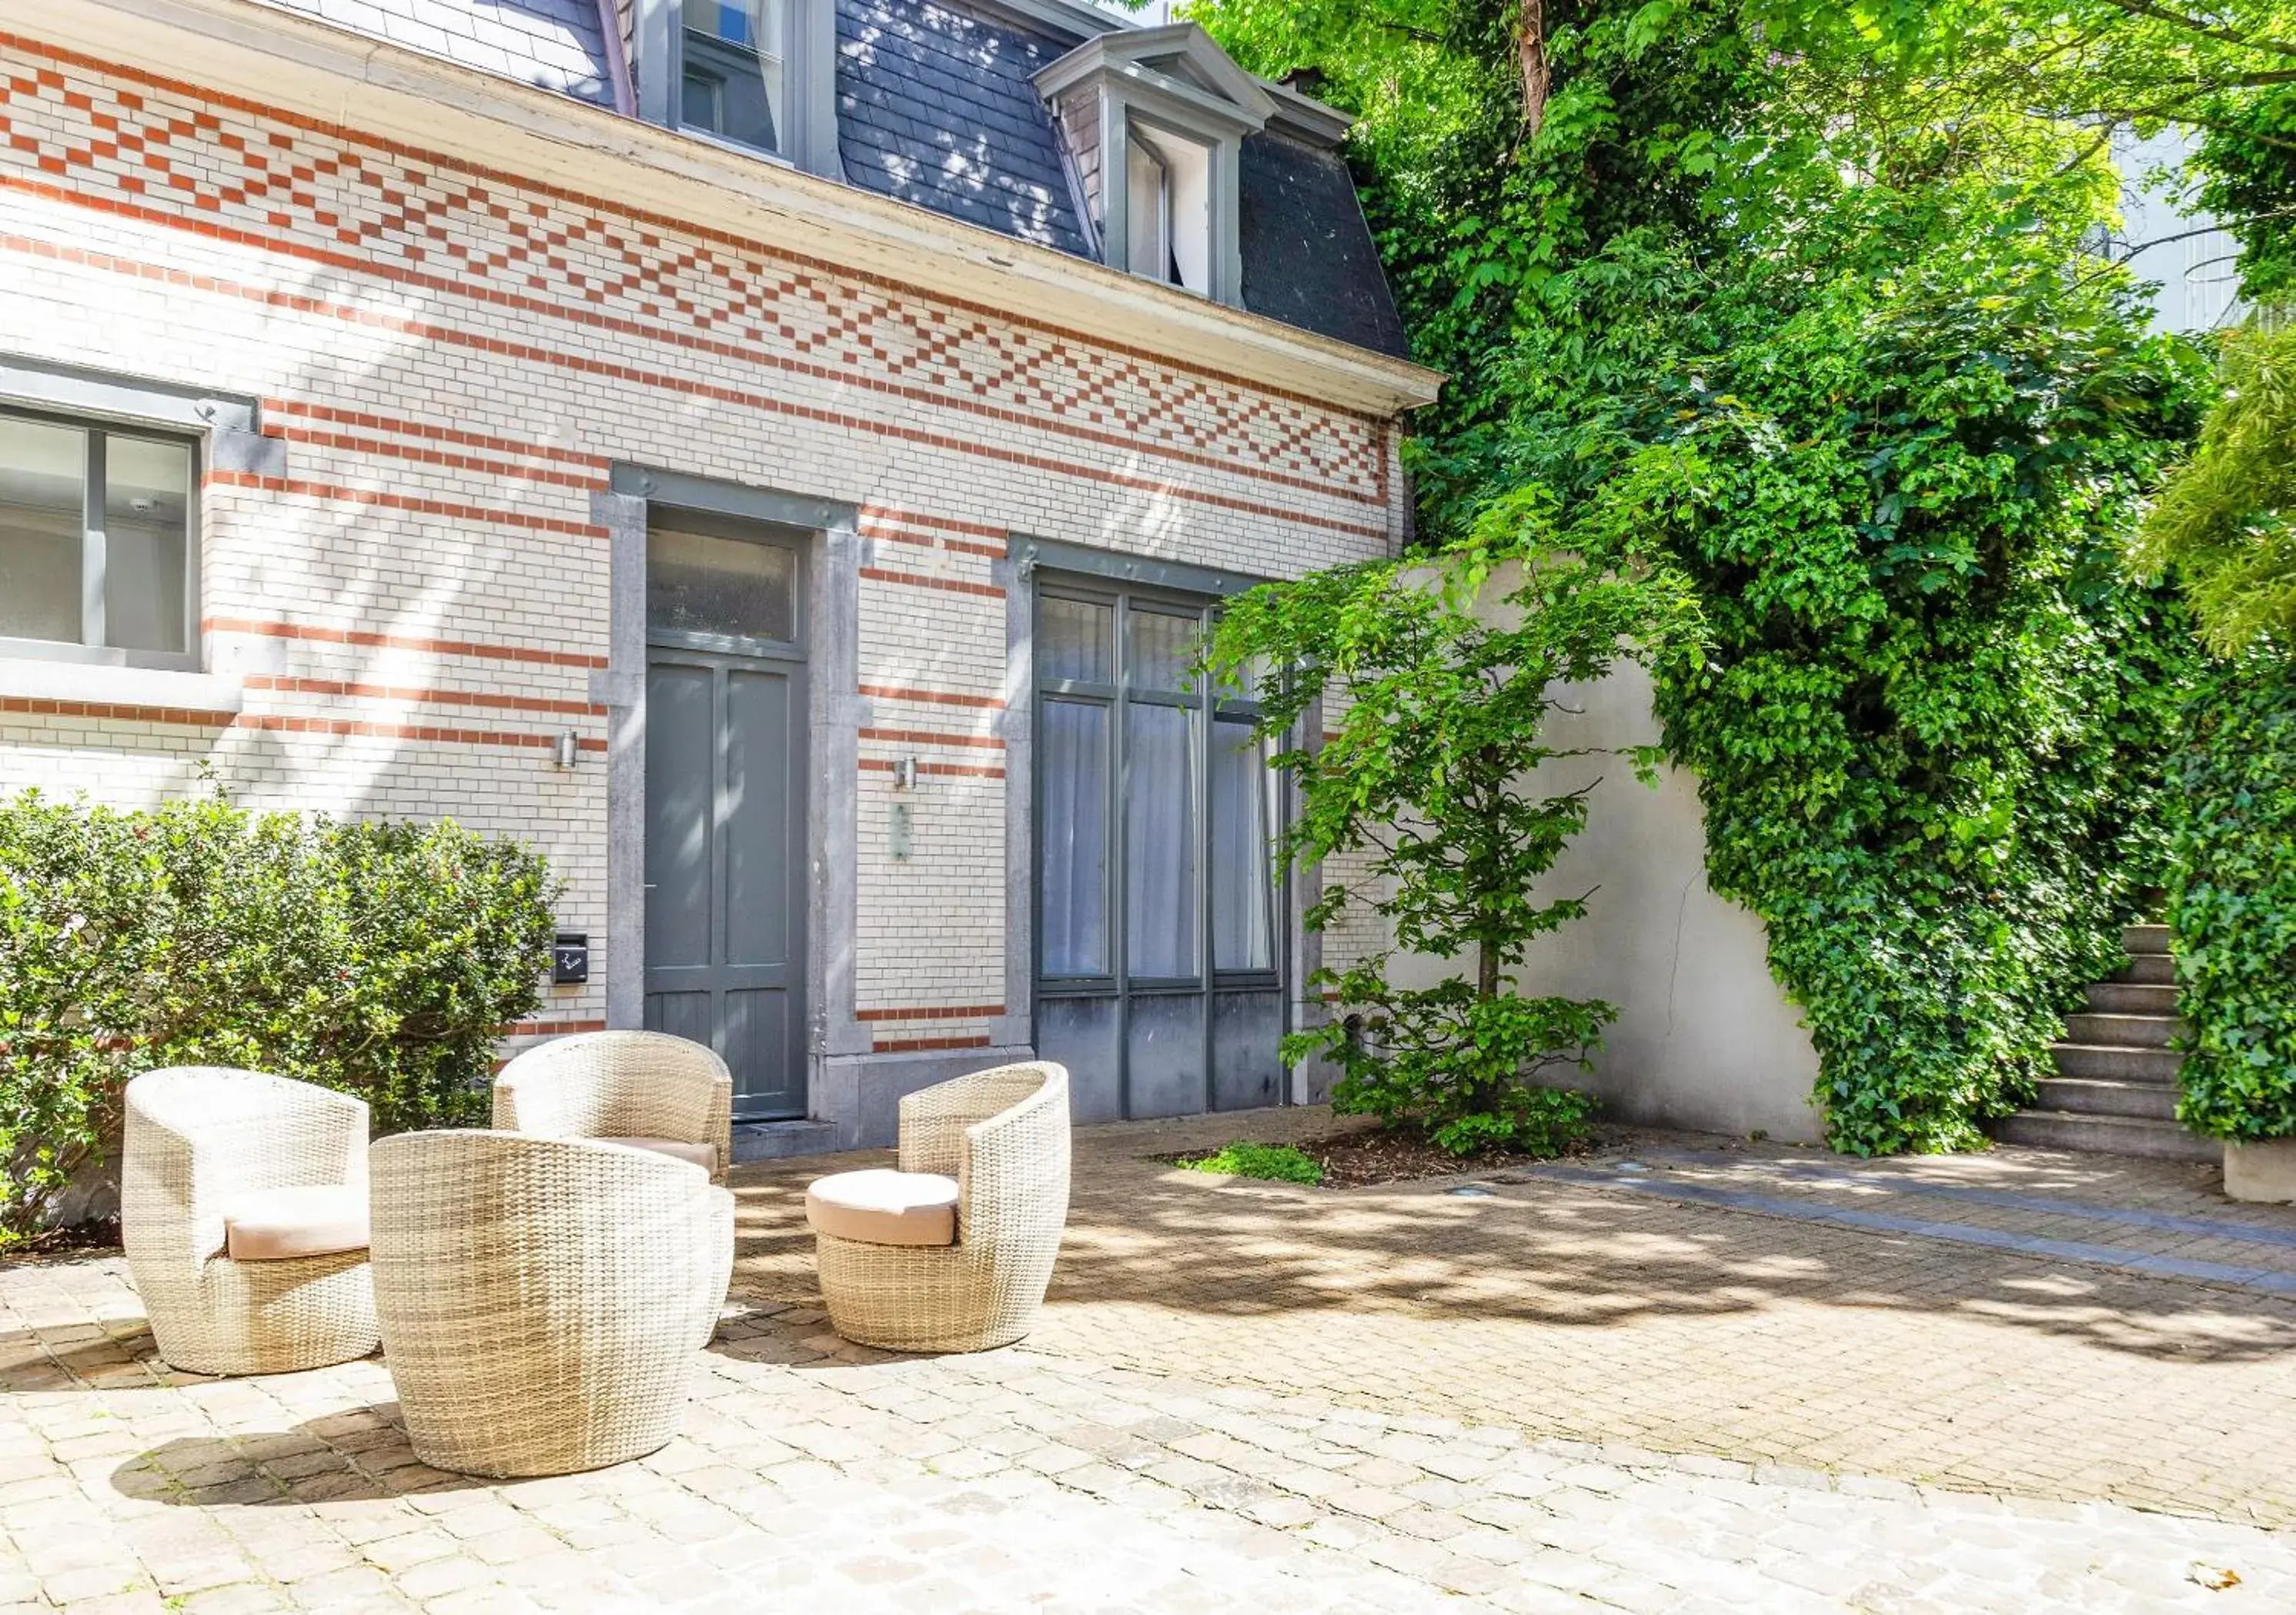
725	848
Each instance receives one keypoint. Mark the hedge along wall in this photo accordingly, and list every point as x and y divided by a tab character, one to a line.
2232	901
382	959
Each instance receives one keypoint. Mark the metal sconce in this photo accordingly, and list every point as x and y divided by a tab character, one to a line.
568	750
904	774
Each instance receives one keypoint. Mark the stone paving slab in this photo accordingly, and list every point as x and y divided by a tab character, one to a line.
1579	1311
815	1475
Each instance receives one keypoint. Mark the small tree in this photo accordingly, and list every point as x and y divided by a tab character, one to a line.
1436	677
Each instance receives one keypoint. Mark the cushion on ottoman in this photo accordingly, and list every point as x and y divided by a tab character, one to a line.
884	1207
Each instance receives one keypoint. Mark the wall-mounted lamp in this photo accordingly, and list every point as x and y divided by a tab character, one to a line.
568	750
904	774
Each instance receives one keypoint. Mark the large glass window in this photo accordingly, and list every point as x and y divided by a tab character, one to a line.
1154	803
96	553
734	74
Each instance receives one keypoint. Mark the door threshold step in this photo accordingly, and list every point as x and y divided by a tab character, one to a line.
780	1140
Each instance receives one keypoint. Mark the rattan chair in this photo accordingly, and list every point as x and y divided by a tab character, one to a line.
1003	1136
645	1089
212	1156
542	1299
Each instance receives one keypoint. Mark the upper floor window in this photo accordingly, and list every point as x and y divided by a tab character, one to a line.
1169	196
97	557
735	70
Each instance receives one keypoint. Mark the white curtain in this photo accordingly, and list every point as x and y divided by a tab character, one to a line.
1159	847
1242	885
1072	830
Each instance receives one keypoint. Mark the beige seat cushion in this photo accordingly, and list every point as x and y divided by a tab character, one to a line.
883	1207
274	1225
703	1155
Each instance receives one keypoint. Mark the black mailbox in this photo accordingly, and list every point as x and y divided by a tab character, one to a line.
570	959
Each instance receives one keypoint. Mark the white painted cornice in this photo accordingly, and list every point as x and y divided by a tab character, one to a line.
292	63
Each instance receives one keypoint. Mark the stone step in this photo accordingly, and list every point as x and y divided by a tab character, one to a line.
2144	938
2105	1136
780	1140
2102	1096
2121	1031
2132	998
2154	969
2117	1064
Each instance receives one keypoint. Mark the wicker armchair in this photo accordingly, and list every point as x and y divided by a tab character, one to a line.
217	1157
542	1299
645	1089
1001	1137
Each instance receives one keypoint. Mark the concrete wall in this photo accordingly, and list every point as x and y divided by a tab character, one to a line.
1705	1039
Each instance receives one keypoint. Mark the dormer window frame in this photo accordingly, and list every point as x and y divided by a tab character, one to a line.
1208	102
807	46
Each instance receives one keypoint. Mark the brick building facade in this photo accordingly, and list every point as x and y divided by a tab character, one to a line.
455	355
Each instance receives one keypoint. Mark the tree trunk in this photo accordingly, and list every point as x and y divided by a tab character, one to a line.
1487	971
1537	76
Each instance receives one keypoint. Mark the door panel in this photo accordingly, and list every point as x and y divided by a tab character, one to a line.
724	855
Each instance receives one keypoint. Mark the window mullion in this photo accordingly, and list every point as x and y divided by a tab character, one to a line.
92	557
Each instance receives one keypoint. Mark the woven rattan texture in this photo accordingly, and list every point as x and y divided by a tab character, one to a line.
1004	1135
621	1084
542	1299
197	1136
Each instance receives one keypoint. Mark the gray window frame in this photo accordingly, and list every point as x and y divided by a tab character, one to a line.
809	84
95	553
1207	706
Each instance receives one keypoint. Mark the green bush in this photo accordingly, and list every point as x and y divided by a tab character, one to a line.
2232	902
382	959
1281	1163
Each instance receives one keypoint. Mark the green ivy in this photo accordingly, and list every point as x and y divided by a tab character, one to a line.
382	959
2232	902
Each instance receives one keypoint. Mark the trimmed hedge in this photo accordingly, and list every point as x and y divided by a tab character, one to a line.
382	959
2232	902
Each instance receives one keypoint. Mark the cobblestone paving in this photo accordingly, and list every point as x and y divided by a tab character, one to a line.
1180	1438
1570	1310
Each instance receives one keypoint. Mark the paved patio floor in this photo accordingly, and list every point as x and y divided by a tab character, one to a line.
1696	1379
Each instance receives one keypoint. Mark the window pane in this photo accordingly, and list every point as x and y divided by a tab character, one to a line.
1072	837
1147	245
1076	639
147	506
1162	648
1160	841
734	70
1242	878
698	583
43	470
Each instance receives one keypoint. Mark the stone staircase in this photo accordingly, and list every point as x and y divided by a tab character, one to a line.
2115	1090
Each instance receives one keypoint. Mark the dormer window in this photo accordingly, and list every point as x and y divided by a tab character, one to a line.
1168	197
1153	122
733	85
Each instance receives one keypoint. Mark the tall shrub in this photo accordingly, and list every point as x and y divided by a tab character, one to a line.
382	959
1435	680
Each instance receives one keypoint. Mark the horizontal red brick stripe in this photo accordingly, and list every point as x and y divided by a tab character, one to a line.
365	420
943	698
929	737
909	1046
546	1028
356	264
445	698
974	1011
639	216
281	723
449	335
436	457
400	642
876	765
401	501
949	524
189	717
955	585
